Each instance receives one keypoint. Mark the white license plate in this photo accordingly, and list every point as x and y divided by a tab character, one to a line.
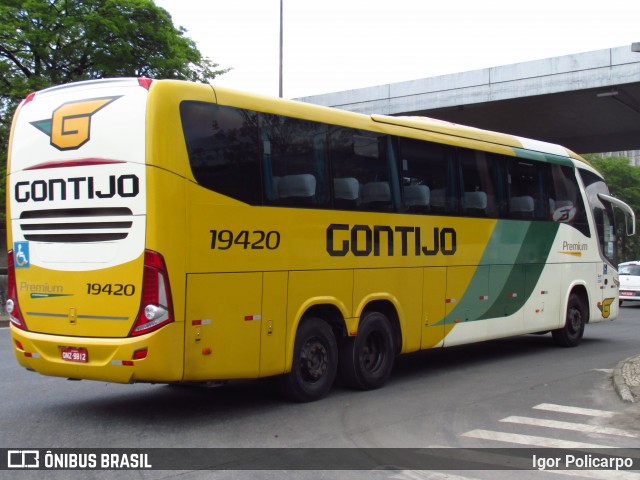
74	354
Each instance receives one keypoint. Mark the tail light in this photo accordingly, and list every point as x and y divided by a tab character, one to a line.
156	308
13	309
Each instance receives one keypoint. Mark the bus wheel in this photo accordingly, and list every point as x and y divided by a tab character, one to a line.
315	362
571	334
366	360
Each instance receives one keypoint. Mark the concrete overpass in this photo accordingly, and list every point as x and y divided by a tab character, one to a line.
588	102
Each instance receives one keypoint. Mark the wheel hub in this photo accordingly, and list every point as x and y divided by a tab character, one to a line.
313	360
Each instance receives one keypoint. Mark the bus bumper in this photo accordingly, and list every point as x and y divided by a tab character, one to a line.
105	359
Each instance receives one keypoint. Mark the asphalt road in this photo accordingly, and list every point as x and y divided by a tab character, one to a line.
517	392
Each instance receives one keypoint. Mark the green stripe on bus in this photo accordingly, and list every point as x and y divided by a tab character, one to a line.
508	271
542	157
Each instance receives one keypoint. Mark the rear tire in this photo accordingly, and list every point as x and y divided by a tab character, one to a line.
366	360
571	334
315	362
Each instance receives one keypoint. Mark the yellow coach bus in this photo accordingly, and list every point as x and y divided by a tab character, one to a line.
163	231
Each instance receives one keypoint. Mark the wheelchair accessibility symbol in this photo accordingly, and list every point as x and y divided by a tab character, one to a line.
21	254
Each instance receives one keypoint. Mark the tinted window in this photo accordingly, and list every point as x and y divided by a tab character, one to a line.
224	149
364	175
526	189
480	180
428	177
565	199
266	159
295	161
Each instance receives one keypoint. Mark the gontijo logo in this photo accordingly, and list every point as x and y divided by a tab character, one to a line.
70	124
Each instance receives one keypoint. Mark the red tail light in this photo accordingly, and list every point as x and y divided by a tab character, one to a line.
156	308
13	309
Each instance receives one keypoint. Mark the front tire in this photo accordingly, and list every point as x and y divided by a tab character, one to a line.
366	360
571	334
315	362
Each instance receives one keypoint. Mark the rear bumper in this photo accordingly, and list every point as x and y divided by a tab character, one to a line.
108	359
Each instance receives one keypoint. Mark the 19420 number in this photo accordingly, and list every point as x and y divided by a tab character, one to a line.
110	289
254	240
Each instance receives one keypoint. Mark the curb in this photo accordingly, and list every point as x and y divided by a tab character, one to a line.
620	382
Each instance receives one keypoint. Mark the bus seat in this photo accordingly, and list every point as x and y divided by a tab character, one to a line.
376	194
522	206
476	202
299	188
416	198
346	192
438	197
416	195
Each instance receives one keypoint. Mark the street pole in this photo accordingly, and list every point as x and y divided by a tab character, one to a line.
281	42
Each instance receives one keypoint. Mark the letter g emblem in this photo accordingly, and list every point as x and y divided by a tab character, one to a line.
70	125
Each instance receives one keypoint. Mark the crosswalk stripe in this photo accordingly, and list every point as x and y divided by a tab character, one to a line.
529	440
575	410
545	442
576	427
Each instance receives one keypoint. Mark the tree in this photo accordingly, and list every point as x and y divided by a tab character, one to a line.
51	42
623	180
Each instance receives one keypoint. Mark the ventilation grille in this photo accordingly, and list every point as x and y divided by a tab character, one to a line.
76	225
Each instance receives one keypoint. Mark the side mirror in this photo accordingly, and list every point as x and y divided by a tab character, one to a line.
629	215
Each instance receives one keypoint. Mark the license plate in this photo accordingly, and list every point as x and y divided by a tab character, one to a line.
73	354
626	294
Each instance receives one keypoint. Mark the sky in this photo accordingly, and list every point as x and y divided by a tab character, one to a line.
337	45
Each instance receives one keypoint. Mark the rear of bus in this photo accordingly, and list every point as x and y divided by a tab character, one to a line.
89	296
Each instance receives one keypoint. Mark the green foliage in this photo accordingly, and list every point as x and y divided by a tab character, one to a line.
623	180
51	42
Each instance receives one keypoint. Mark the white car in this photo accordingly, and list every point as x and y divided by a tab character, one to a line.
629	273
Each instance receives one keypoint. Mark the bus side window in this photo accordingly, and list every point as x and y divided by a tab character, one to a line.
294	161
223	149
565	200
427	177
526	189
363	171
478	176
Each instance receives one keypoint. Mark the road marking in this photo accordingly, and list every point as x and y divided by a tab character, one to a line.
576	427
575	410
529	440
